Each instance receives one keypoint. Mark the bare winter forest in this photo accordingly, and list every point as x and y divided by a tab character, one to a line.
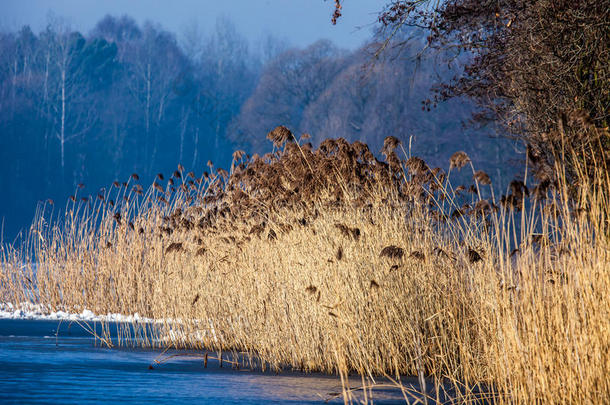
92	108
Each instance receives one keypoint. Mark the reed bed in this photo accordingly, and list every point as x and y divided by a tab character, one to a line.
331	260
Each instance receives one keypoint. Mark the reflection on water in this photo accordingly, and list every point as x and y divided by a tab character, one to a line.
38	366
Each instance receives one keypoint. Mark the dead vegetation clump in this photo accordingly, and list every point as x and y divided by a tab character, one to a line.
329	259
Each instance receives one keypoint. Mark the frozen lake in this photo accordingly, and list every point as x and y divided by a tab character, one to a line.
38	367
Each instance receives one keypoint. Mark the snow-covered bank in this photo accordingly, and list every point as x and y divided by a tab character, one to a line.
39	312
28	311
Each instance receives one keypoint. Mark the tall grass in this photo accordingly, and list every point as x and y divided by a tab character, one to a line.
332	260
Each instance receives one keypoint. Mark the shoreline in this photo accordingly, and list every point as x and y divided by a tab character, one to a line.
27	311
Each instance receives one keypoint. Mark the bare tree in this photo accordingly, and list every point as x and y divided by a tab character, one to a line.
69	103
153	62
226	77
540	68
293	80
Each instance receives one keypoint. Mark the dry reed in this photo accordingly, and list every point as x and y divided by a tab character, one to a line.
332	260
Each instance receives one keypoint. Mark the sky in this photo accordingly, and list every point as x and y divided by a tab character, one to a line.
300	22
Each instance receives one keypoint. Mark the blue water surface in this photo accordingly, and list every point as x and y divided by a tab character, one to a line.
38	364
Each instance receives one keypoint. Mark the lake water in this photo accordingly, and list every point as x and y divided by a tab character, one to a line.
39	366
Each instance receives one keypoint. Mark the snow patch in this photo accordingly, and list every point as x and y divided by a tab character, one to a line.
39	312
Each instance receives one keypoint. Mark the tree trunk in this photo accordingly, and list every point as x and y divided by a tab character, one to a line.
148	85
62	133
196	147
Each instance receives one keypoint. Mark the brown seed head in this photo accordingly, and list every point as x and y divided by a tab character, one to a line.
482	206
272	235
474	256
416	165
158	187
223	173
518	188
311	289
482	177
238	154
174	247
280	135
458	160
390	143
392	252
416	254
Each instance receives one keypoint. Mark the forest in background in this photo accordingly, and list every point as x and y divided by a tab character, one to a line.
81	110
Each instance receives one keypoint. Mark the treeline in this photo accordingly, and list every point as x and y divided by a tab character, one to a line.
126	98
328	93
122	99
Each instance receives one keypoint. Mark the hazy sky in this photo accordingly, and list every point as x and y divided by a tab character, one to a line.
301	22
